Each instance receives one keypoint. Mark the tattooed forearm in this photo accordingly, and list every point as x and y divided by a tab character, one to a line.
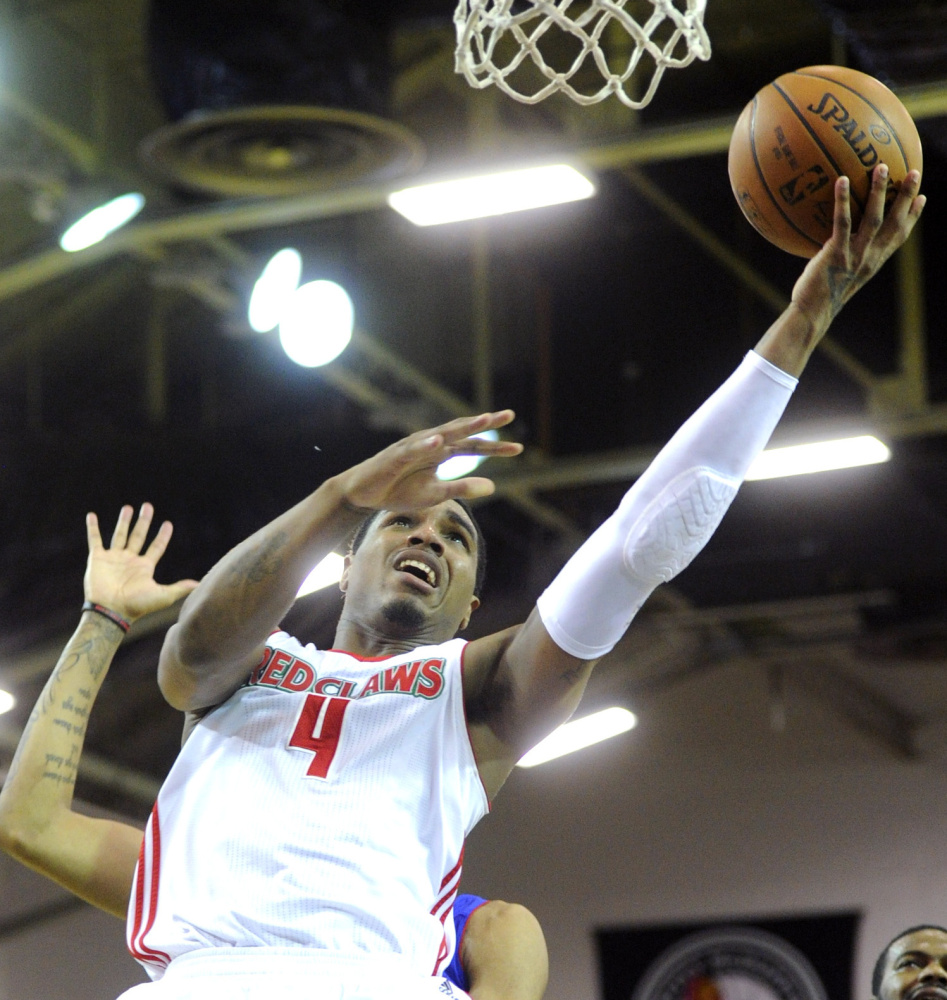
264	562
94	652
52	740
841	280
62	770
578	672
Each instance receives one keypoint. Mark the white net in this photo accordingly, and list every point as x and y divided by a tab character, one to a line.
508	43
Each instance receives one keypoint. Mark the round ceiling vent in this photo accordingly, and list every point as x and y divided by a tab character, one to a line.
274	151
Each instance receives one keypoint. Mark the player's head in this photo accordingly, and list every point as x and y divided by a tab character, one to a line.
913	965
422	568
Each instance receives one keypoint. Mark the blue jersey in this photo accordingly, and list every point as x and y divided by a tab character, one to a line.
463	907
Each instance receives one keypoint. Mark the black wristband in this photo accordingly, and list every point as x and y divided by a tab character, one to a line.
113	616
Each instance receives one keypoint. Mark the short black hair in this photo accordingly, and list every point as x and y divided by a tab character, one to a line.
362	530
879	971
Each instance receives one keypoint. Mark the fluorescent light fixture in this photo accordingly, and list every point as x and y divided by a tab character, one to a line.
277	281
329	571
820	456
94	226
463	465
491	194
580	733
316	323
7	701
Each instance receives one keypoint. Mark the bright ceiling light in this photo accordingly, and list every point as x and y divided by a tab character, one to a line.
820	456
7	701
580	733
491	194
94	226
463	465
278	280
316	324
329	571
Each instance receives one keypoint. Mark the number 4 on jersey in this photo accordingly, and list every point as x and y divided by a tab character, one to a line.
318	730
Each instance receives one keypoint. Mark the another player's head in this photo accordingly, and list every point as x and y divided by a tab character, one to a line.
422	569
913	966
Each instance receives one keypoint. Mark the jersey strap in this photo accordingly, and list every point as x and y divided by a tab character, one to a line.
143	906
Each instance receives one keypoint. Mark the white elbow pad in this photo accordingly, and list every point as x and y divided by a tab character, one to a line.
667	517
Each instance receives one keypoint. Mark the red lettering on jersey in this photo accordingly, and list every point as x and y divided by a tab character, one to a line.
261	666
372	687
318	730
401	678
298	677
348	690
276	668
432	679
329	685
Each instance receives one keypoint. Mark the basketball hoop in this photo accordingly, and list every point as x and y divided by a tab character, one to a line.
516	51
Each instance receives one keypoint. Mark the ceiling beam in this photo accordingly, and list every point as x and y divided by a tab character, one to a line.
684	139
749	277
41	915
830	605
851	698
624	466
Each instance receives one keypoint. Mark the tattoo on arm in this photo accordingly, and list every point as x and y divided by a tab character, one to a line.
95	652
62	770
257	566
69	712
840	281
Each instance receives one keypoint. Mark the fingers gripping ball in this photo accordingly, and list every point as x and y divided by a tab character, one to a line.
800	133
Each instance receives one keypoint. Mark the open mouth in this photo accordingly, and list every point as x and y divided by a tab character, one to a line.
929	991
417	569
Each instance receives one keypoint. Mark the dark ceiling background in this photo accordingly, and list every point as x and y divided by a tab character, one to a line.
128	372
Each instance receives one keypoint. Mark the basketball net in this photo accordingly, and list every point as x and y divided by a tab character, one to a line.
494	42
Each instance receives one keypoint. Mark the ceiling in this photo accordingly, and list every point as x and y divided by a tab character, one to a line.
128	372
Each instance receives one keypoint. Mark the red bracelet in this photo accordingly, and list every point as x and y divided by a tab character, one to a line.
113	616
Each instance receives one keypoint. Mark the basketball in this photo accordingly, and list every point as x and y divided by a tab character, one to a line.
800	133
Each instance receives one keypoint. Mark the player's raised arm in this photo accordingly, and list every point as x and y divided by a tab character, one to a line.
93	858
843	265
224	624
521	684
504	954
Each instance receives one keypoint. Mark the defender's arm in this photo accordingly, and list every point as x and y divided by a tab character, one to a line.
93	858
504	954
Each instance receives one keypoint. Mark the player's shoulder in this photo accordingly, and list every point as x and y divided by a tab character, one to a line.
280	639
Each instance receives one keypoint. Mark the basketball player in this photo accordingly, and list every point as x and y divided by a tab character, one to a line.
913	966
503	952
351	776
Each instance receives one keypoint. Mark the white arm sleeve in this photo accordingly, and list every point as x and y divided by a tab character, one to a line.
669	514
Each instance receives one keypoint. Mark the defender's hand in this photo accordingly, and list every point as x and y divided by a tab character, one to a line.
402	476
848	260
122	577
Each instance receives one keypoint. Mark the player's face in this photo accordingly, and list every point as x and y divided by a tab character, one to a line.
916	968
422	563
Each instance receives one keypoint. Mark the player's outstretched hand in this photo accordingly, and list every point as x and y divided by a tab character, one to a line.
849	259
403	476
122	577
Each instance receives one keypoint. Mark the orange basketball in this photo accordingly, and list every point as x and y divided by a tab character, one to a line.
799	134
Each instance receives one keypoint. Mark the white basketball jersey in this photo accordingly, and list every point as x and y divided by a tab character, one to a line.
323	806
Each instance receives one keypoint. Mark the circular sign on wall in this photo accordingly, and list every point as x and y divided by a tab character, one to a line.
732	963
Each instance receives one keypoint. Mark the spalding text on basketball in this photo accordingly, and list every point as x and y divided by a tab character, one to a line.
831	109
